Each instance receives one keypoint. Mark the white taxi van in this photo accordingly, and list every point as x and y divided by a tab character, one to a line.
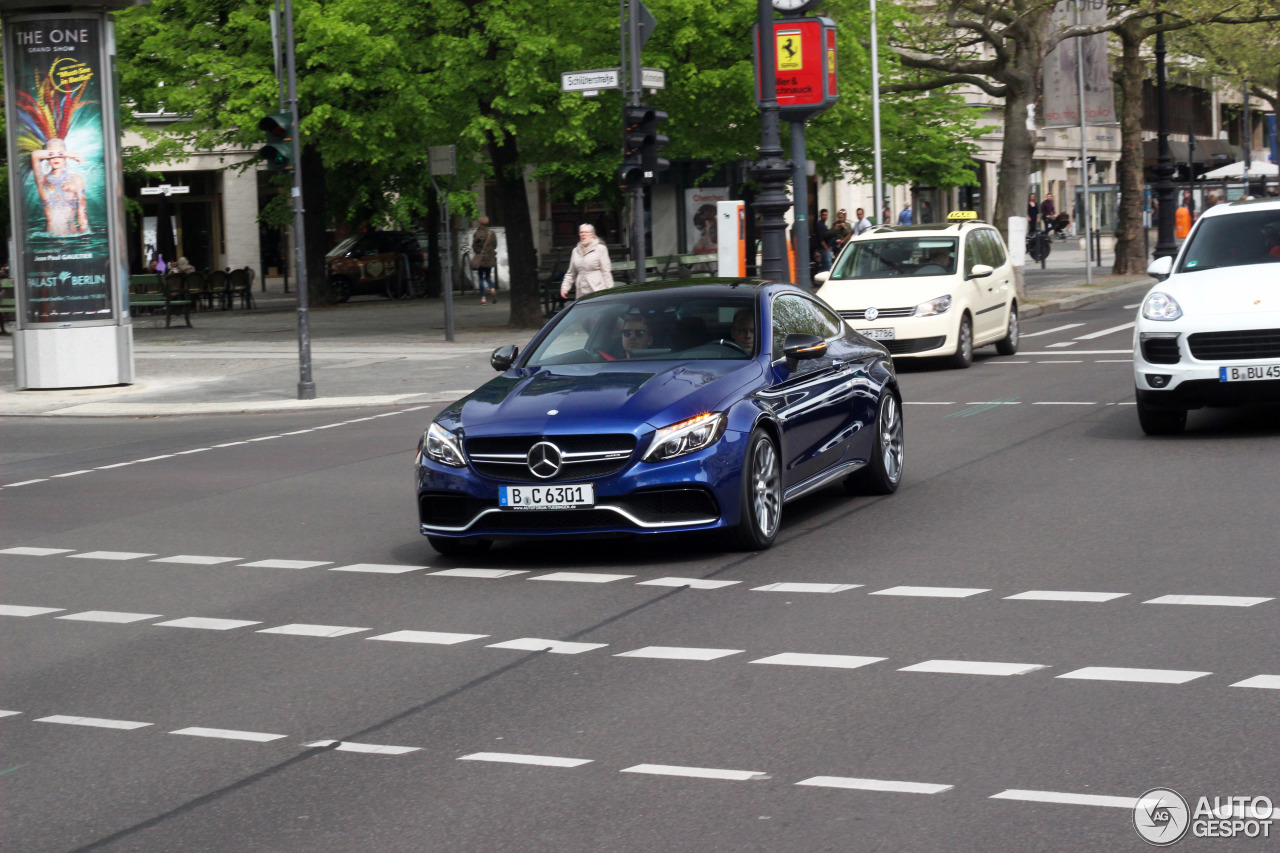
928	291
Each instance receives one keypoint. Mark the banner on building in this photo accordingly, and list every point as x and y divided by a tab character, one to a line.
1061	74
57	134
700	218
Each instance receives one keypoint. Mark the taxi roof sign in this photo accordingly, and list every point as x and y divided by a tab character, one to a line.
960	215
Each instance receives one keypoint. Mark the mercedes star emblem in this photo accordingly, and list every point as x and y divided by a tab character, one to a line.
872	313
544	460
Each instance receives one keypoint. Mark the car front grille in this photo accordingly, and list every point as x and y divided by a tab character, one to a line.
516	521
1235	345
907	346
670	505
448	509
861	314
585	457
1160	350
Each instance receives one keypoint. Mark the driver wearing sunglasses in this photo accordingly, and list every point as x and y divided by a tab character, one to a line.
635	335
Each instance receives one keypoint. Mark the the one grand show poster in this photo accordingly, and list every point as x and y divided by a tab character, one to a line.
62	208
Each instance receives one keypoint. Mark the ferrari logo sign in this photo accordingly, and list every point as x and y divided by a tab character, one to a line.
790	50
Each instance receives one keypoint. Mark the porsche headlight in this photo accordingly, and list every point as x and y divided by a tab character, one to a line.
686	437
934	306
1161	306
441	445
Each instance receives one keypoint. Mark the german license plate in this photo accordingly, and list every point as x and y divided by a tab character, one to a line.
877	334
1249	373
546	497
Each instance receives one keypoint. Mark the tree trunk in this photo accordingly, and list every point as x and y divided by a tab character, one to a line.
1131	252
522	255
315	218
1016	153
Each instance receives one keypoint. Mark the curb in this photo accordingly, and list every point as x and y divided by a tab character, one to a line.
1071	303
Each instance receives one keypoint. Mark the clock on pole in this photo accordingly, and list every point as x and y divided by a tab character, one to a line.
793	7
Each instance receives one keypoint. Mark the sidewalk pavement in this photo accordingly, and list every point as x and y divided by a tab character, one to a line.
368	352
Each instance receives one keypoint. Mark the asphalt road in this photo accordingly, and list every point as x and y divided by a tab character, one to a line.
226	634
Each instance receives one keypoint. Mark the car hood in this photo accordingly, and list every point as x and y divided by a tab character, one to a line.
899	292
1251	289
579	397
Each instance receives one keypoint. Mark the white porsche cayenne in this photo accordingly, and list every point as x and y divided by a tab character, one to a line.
1208	334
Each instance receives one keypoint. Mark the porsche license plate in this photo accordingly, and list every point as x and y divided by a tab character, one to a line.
878	334
1249	373
546	497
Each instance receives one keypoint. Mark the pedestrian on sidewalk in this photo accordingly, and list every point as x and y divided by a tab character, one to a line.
1033	212
589	265
1047	212
841	231
862	224
820	241
484	257
905	215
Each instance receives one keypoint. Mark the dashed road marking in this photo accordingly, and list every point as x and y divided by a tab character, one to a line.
973	667
1064	403
1062	344
479	573
306	630
1143	676
369	748
93	722
518	758
678	653
196	560
931	591
1064	595
1210	600
581	577
113	616
286	564
206	623
36	552
806	587
697	772
9	713
378	568
438	638
875	785
24	610
831	661
110	555
1051	331
692	583
1067	799
1267	682
1092	335
72	474
228	734
25	483
555	647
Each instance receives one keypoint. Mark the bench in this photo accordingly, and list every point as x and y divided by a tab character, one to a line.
143	296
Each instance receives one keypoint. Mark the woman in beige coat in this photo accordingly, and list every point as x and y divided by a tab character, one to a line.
589	265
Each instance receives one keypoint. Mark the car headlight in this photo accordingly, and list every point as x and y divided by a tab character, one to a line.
441	445
685	437
1161	306
934	306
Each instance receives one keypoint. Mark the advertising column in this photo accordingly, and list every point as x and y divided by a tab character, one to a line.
69	272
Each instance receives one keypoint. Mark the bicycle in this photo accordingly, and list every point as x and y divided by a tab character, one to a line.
1038	246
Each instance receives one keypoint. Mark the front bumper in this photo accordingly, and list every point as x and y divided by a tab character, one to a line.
915	337
699	491
1168	375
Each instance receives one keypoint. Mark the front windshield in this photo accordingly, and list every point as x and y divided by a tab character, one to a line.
651	326
913	256
1234	240
343	247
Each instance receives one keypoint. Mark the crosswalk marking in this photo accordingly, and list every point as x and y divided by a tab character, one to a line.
1064	595
228	734
110	555
36	552
692	583
517	758
931	591
1209	600
113	616
696	772
25	610
972	667
875	785
377	568
305	630
1144	676
438	638
1067	799
93	722
478	573
831	661
196	560
286	564
1267	682
207	624
806	587
678	653
369	748
555	647
581	577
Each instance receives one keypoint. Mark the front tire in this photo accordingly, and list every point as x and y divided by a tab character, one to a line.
964	345
1008	345
760	510
1161	421
884	470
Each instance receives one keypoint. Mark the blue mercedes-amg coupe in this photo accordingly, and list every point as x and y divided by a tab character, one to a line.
677	406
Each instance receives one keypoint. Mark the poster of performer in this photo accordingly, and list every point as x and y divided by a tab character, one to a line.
58	129
1061	70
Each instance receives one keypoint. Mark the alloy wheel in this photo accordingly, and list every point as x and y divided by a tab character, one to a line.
891	443
766	499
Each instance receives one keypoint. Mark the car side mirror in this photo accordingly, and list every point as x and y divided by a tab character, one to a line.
1161	268
979	271
504	357
821	278
802	347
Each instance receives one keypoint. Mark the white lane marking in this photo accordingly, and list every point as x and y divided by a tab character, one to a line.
555	647
301	629
36	552
1061	361
930	403
692	583
72	474
1004	361
1106	332
1062	344
972	667
25	483
516	758
1063	403
370	748
1064	595
581	577
479	573
297	432
109	467
994	403
377	568
1144	676
92	721
265	438
1085	352
678	653
231	444
1067	799
109	555
1130	307
805	587
154	458
196	560
696	772
1051	331
931	591
23	610
227	734
1113	361
832	661
9	713
206	623
875	785
1210	600
113	616
286	564
1267	682
196	450
433	637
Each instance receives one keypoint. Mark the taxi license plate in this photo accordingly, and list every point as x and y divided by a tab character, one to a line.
546	497
877	334
1249	373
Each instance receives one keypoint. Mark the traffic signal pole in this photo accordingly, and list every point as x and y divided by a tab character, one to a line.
633	99
306	387
771	171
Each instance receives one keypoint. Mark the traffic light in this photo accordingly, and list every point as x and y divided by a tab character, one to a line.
278	152
641	143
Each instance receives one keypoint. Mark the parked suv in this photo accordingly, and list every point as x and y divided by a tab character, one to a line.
384	263
928	290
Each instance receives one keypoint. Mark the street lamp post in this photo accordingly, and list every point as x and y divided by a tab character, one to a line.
771	171
875	119
1166	244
